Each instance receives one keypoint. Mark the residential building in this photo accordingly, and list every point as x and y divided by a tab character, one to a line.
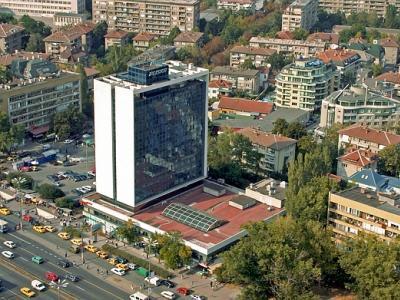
346	61
10	38
277	151
350	6
331	39
361	137
154	16
245	80
288	47
244	107
392	78
285	35
359	105
44	8
216	88
391	51
355	161
37	92
237	5
62	19
143	40
258	56
357	210
7	59
73	39
150	130
191	39
305	83
116	37
300	14
91	75
371	180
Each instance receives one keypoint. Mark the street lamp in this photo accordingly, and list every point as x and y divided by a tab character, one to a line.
58	285
18	181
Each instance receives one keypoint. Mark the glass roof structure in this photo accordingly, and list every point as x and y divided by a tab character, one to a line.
191	217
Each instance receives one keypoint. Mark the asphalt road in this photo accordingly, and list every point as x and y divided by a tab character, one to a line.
89	287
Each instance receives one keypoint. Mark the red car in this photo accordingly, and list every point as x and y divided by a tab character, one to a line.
51	276
183	291
27	218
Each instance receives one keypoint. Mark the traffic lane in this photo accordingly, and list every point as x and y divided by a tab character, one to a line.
86	288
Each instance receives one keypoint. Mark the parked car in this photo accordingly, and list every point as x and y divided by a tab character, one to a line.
117	271
197	297
168	283
132	266
121	260
68	141
52	177
168	295
183	291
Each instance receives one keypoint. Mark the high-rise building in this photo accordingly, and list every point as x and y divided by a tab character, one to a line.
350	6
44	8
153	16
305	83
150	130
301	14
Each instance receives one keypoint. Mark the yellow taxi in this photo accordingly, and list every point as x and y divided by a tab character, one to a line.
102	254
112	261
5	211
122	266
91	248
77	242
49	228
39	228
27	292
64	235
35	200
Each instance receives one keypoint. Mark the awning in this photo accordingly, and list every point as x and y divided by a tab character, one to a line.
38	130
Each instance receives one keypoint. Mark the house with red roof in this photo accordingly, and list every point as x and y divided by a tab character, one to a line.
360	137
356	160
285	35
143	39
391	50
258	56
244	107
326	37
10	38
219	87
116	37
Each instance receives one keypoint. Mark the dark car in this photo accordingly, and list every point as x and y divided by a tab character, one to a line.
68	164
64	263
121	260
52	177
72	277
168	283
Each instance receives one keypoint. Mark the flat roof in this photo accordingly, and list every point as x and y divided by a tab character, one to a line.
243	200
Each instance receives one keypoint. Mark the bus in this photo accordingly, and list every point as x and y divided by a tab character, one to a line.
3	226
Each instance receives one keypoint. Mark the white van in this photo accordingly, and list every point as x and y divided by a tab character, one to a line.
138	296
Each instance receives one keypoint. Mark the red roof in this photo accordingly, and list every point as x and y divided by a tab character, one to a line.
332	38
336	55
189	37
116	34
245	105
9	29
144	36
219	83
253	50
267	140
371	135
285	35
388	42
359	158
389	77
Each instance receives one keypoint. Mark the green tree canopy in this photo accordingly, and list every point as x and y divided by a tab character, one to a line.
66	202
49	191
294	130
129	232
10	136
20	180
68	122
173	251
389	160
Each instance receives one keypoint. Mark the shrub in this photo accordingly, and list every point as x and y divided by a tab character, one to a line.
66	202
75	233
48	191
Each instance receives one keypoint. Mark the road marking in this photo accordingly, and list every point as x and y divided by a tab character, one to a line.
23	258
17	237
78	287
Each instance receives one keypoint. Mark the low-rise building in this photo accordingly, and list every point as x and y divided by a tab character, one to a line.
189	38
357	210
390	77
300	14
62	19
372	180
268	191
10	38
305	83
285	35
91	74
7	59
217	88
245	80
331	39
359	105
354	161
277	151
143	40
288	47
258	56
237	5
361	137
116	37
391	51
245	107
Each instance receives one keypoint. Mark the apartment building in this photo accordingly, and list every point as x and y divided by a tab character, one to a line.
244	107
64	19
350	6
331	39
355	161
305	83
288	47
361	137
153	16
389	79
37	92
10	38
358	105
258	56
116	38
44	8
357	210
277	151
7	59
245	80
237	5
391	50
301	14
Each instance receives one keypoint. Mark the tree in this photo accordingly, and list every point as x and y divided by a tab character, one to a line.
294	130
389	160
68	122
9	135
49	191
66	202
305	144
280	126
5	75
172	250
278	61
169	39
247	64
129	232
20	180
376	70
7	18
87	104
300	34
391	20
99	31
35	43
373	265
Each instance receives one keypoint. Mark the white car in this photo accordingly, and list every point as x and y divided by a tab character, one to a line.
132	266
197	297
8	254
10	244
68	141
37	285
168	295
87	188
118	271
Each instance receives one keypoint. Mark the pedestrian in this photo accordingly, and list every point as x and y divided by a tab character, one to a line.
66	254
107	272
98	271
211	284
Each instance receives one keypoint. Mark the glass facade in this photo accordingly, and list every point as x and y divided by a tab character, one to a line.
169	137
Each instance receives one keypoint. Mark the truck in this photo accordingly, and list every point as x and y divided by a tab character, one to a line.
3	226
153	280
142	272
